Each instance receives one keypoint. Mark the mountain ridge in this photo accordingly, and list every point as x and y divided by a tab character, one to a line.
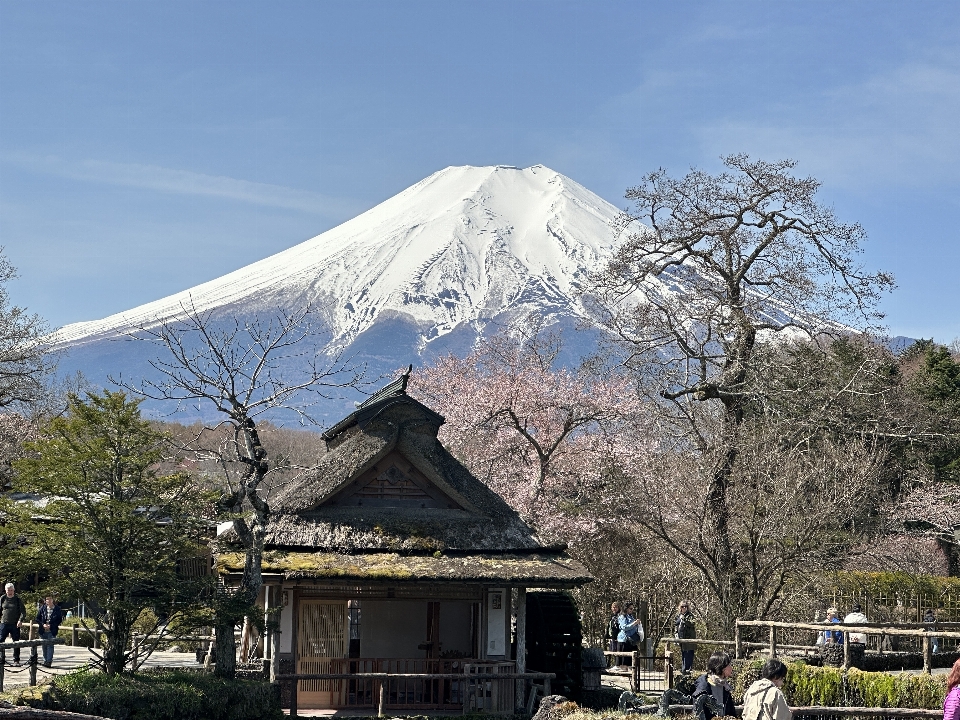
462	245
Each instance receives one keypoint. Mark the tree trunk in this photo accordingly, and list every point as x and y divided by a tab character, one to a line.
224	648
117	640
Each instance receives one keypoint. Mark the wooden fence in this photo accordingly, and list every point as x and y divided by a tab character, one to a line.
902	630
34	659
486	692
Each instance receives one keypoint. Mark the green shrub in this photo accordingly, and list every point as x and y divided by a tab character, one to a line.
163	695
807	685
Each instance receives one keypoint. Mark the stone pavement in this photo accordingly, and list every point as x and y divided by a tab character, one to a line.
66	659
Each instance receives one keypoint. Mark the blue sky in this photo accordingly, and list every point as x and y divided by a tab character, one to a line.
146	146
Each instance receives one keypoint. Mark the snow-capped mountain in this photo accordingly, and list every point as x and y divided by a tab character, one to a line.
422	272
463	245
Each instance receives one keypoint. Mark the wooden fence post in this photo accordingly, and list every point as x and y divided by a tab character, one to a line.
668	668
773	641
293	699
3	663
519	699
737	647
33	666
846	649
381	705
74	636
927	655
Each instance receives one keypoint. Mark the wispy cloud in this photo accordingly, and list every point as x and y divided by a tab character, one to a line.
184	182
898	127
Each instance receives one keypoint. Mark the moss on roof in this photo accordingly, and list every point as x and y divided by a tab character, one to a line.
541	569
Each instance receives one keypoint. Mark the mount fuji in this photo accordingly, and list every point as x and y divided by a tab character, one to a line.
423	273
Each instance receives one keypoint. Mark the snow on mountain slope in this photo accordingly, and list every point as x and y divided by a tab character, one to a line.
463	245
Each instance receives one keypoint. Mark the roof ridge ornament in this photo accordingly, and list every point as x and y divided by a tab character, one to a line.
396	387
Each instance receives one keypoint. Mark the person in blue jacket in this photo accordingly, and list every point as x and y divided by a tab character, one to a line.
49	617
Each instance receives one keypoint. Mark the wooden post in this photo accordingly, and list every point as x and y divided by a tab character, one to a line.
635	671
668	668
33	666
30	630
245	640
927	655
546	687
209	658
75	635
275	655
773	641
381	706
519	696
3	663
737	646
466	688
293	699
846	649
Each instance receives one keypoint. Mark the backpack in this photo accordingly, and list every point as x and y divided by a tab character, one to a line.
613	629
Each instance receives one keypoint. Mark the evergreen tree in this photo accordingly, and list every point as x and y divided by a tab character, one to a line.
102	519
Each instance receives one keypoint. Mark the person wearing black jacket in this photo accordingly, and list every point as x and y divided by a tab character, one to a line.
12	614
713	685
49	618
712	696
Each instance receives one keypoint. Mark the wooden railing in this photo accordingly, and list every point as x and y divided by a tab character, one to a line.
816	711
34	659
903	630
468	691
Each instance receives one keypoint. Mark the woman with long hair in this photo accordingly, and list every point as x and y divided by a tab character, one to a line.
951	703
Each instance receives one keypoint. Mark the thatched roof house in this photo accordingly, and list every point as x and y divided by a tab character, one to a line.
391	552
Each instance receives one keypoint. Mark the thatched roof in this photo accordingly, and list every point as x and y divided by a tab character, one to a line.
309	514
388	502
537	569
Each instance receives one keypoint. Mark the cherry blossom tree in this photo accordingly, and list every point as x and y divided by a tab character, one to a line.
543	437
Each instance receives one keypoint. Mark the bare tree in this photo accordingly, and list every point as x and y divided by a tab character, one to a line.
242	370
710	265
25	358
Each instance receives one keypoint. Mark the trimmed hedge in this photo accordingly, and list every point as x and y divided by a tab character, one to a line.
808	685
163	695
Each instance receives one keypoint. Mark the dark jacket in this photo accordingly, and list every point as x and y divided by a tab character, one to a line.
54	616
12	610
684	628
703	687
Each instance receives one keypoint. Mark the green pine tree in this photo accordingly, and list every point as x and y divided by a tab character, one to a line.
102	520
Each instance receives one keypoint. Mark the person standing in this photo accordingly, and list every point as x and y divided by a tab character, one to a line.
631	631
856	617
12	614
832	637
931	620
684	628
951	703
613	630
49	618
764	699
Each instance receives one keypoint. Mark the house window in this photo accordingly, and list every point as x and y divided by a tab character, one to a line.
353	615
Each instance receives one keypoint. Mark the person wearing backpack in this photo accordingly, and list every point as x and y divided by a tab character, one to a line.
764	699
